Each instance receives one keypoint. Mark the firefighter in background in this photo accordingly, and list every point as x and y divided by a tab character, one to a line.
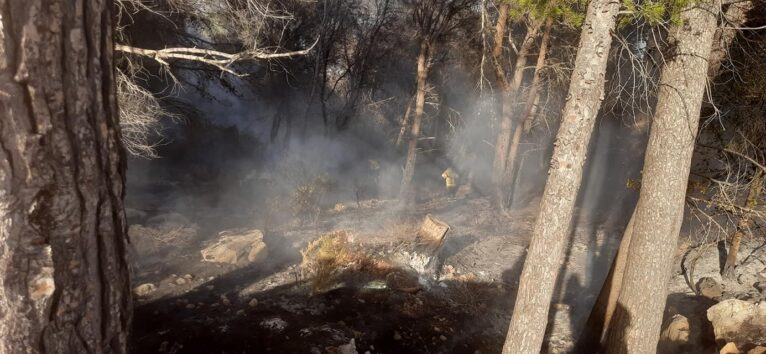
450	181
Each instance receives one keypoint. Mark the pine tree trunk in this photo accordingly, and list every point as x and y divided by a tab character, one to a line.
637	320
603	310
405	123
756	187
509	92
510	170
542	265
406	193
64	285
601	315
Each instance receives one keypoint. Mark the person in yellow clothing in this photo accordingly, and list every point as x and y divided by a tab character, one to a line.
450	181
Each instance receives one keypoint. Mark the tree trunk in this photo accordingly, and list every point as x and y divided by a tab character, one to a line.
497	49
406	193
756	187
637	321
63	235
530	313
735	16
599	319
603	310
508	98
405	122
531	97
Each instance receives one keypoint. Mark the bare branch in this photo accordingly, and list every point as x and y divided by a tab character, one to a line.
220	60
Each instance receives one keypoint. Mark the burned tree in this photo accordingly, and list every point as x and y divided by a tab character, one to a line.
433	20
62	226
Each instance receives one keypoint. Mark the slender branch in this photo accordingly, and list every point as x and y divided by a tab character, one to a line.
727	206
220	60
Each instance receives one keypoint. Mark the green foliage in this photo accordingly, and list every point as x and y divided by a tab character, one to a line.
571	12
653	12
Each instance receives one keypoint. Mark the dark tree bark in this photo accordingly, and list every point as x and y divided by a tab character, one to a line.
63	236
637	321
530	313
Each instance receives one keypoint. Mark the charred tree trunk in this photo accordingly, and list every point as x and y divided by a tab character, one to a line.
637	321
63	235
510	170
756	187
530	313
424	56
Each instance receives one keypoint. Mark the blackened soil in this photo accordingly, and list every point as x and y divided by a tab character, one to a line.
454	317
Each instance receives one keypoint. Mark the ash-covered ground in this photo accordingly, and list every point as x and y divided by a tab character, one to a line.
188	305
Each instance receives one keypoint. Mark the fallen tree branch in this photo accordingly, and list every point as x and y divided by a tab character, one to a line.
220	60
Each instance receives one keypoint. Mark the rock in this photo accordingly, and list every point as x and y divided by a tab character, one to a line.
709	288
740	322
275	324
236	248
349	348
397	336
180	281
144	289
677	330
757	350
188	276
729	348
253	303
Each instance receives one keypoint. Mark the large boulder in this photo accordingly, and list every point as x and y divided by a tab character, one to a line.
740	322
236	247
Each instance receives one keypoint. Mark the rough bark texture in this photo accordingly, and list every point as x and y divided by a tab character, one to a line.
405	193
510	166
530	313
659	213
603	310
497	49
63	236
509	91
756	187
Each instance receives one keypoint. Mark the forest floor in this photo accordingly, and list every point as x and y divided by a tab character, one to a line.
270	306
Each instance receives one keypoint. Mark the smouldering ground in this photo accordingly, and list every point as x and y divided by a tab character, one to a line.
202	307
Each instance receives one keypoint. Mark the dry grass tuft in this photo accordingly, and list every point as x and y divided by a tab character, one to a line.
326	257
